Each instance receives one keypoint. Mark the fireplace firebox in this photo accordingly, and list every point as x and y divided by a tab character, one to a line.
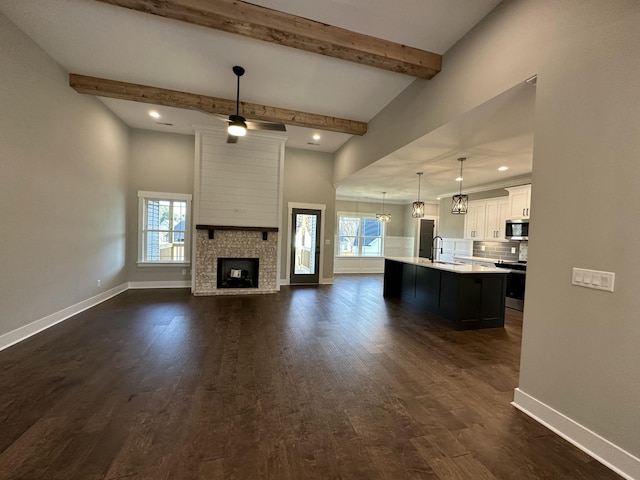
238	272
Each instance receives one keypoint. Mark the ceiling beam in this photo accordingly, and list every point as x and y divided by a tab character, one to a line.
173	98
253	21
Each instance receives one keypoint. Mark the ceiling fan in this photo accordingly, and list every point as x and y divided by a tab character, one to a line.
238	125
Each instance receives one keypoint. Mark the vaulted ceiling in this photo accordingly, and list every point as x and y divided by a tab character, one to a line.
370	50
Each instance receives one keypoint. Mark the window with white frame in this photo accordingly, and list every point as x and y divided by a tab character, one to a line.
359	235
164	228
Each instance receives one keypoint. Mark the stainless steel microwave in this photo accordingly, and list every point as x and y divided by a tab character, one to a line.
517	230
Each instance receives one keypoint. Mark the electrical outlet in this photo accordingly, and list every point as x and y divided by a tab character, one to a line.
513	249
482	248
99	282
593	279
184	271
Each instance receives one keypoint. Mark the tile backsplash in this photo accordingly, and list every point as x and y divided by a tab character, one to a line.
501	250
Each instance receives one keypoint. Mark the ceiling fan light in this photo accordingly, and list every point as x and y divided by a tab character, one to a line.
237	126
459	204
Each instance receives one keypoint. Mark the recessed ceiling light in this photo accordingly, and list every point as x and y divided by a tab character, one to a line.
316	136
503	168
459	179
154	114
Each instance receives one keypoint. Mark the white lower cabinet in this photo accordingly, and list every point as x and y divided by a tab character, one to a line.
485	219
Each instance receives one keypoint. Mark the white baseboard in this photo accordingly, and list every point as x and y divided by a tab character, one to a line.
323	281
26	331
607	453
165	284
371	271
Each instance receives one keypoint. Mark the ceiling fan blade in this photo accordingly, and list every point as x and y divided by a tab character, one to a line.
223	118
232	139
254	125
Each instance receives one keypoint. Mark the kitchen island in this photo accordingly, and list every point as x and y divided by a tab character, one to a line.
470	296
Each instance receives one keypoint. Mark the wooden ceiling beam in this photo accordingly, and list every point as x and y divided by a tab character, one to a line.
253	21
173	98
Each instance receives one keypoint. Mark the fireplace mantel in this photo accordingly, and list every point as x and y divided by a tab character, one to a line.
213	228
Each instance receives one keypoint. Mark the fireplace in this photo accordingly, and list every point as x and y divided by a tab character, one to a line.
238	272
235	260
238	198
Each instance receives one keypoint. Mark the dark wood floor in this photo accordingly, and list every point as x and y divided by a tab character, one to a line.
328	382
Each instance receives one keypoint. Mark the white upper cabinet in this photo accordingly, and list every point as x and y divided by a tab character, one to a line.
497	211
485	219
519	202
475	220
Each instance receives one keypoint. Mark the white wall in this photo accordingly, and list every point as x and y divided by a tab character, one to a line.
62	186
580	352
159	162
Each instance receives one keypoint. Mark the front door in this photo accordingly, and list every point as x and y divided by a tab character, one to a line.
305	246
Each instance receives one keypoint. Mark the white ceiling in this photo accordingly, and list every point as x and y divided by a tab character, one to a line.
495	134
96	39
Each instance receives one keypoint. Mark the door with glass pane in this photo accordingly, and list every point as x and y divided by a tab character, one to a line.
305	246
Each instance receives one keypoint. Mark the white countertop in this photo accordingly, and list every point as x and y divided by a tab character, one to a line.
477	259
457	268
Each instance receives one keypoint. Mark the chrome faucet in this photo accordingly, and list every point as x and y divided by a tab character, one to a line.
434	248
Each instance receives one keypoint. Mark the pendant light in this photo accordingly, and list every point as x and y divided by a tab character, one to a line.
459	204
383	217
418	206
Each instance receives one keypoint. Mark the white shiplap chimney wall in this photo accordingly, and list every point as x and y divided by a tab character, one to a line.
238	184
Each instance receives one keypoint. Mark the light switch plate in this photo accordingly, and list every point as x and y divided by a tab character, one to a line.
596	279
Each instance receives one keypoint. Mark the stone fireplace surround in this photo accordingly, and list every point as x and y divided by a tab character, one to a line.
213	242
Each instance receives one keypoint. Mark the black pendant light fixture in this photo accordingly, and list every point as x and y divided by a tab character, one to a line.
418	206
459	204
383	217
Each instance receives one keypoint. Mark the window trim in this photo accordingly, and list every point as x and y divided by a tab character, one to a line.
360	215
143	196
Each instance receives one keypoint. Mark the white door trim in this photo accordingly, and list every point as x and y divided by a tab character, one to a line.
308	206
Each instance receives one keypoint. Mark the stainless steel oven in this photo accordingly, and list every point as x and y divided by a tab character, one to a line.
515	283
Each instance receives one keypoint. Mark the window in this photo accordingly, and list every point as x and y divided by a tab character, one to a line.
164	228
359	235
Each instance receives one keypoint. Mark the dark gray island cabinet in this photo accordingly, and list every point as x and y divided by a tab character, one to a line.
470	296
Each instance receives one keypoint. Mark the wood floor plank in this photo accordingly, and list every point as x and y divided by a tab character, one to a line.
315	382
